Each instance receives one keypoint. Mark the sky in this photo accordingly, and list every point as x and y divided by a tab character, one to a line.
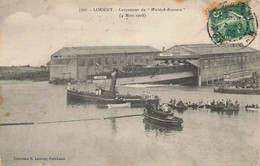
32	30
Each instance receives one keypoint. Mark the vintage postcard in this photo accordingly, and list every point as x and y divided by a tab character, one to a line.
129	83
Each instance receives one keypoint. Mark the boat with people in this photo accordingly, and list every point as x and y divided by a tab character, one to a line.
161	115
179	106
246	86
252	108
198	105
226	107
208	106
237	90
111	96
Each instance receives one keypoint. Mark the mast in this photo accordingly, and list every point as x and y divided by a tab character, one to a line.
113	81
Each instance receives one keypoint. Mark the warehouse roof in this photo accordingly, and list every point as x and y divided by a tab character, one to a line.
94	50
207	49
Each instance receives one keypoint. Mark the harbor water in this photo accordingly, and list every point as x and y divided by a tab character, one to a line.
78	134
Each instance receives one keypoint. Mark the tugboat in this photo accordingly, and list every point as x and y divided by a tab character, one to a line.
179	106
161	116
104	97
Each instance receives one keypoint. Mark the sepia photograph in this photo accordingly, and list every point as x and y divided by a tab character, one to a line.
129	83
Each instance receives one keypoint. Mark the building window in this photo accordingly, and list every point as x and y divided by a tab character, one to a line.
81	62
99	62
106	61
91	62
114	60
136	59
122	60
129	61
206	64
147	61
212	61
140	59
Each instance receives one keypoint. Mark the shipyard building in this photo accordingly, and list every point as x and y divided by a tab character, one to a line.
77	63
207	63
212	62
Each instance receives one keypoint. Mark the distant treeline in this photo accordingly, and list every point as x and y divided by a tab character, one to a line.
25	73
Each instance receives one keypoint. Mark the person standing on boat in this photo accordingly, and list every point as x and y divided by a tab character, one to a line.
68	87
213	102
207	101
200	102
164	108
236	104
227	102
149	95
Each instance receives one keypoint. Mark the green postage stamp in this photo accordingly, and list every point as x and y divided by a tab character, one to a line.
233	23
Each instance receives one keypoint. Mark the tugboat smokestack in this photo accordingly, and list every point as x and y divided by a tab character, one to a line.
113	80
163	49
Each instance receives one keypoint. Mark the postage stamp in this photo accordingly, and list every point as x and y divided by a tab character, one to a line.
232	23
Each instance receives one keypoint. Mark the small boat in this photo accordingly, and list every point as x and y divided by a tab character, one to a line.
177	107
153	126
122	105
193	105
252	109
201	106
181	107
251	88
159	117
196	106
171	105
208	106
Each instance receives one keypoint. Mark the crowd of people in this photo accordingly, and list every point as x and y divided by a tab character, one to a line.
251	106
148	96
227	103
174	102
177	103
221	104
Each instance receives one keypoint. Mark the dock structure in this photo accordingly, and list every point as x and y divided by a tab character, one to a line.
211	62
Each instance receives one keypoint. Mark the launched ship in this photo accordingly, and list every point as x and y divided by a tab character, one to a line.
104	97
138	74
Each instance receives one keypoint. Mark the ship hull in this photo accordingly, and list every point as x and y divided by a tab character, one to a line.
181	77
79	97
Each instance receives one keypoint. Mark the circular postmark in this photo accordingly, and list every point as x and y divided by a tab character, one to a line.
232	24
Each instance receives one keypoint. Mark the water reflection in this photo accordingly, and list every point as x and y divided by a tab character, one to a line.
229	113
180	111
78	103
113	126
149	126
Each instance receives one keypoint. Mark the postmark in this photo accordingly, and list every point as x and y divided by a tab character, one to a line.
232	23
